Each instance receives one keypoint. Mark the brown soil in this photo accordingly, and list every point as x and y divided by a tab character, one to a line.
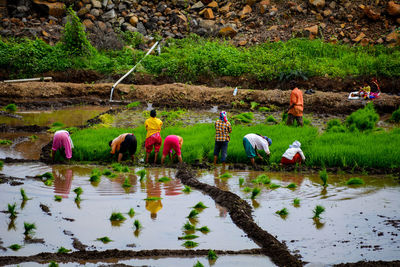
51	94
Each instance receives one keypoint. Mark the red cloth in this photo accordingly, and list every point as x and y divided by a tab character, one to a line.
296	159
153	140
171	142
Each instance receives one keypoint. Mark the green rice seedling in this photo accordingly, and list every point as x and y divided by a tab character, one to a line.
1	164
11	210
291	186
164	179
116	167
117	217
23	195
63	250
142	174
363	119
153	198
246	117
57	198
133	104
107	172
137	224
247	189
274	186
15	247
126	183
212	256
125	169
282	212
131	212
5	142
296	201
33	137
355	181
317	211
271	119
53	264
193	214
203	229
324	177
47	175
262	179
190	244
189	227
253	105
200	205
198	264
256	191
241	181
94	178
264	109
188	237
225	175
78	191
104	239
11	107
112	176
29	228
48	182
187	189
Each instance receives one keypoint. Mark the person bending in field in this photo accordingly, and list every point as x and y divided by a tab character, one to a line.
121	144
172	142
153	137
222	138
62	140
252	143
295	110
293	154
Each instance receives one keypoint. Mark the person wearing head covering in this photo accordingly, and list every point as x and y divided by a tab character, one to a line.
222	129
121	144
153	137
254	142
61	140
295	110
293	154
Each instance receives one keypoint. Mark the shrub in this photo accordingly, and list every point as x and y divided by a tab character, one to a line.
363	119
335	125
395	115
11	108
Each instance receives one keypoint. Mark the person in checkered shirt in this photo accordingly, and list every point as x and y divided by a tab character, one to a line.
222	129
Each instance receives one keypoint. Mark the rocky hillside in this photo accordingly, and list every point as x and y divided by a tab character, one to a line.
246	22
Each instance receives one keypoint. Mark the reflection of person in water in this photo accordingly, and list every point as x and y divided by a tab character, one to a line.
153	190
62	181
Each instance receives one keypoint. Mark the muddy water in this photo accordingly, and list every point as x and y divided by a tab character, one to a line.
162	220
72	116
24	145
355	226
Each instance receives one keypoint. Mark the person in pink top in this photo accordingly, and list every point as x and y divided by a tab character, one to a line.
172	142
62	140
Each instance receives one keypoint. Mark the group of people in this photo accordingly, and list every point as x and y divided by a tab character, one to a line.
252	142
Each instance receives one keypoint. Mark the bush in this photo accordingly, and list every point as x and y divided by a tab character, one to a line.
335	126
11	108
396	116
363	119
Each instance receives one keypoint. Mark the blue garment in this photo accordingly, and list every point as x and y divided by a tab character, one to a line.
221	146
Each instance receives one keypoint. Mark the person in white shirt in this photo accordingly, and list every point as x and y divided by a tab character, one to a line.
293	154
252	143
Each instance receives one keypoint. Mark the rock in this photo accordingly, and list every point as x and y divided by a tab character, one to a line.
263	5
54	9
313	30
81	12
227	31
317	3
140	27
207	13
332	5
359	37
371	14
364	42
327	12
161	7
206	2
104	3
88	24
393	37
96	4
109	15
199	5
393	9
246	10
225	8
133	21
379	41
213	4
273	28
243	42
102	26
95	12
44	33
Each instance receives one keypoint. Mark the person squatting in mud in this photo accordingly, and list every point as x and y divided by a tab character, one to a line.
293	154
172	142
153	138
254	142
295	110
222	129
62	140
121	144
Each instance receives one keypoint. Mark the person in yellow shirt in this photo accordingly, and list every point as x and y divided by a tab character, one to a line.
153	137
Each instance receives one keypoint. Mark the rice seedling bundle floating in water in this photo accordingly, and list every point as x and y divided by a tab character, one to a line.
296	201
355	181
212	255
282	212
117	216
291	186
274	186
200	205
225	175
15	247
203	229
186	189
256	191
193	214
317	211
188	226
324	177
190	244
104	239
137	224
188	237
131	212
62	250
164	179
29	228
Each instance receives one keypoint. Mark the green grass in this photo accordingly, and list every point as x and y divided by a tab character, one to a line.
355	181
324	177
63	250
190	244
137	224
246	117
296	202
117	217
282	212
29	228
200	205
395	115
271	119
15	247
104	239
11	108
186	189
164	179
317	211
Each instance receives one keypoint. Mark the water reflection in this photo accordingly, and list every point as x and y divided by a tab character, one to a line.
62	181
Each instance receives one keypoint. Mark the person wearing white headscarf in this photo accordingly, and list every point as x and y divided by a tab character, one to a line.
293	154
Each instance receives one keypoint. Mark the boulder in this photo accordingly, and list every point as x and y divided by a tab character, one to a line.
393	9
53	9
317	3
227	31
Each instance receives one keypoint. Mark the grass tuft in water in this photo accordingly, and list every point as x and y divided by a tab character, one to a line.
262	179
188	237
355	181
187	189
104	239
317	211
241	181
47	175
117	217
11	108
282	212
200	205
247	189
29	228
95	175
142	174
15	247
107	172
131	212
125	169
126	183
291	186
212	255
296	201
63	250
256	191
164	179
225	175
116	167
57	198
137	224
203	229
78	191
11	210
198	264
324	177
53	264
153	198
5	142
274	186
188	226
190	244
193	214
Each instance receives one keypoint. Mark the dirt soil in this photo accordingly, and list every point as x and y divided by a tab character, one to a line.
41	95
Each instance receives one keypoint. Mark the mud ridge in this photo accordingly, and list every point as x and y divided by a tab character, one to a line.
240	212
118	254
4	128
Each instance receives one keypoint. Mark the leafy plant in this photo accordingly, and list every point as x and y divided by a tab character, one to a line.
296	202
142	174
15	247
29	228
324	177
186	189
355	181
11	210
126	183
193	214
131	212
63	250
212	255
225	175
203	229
104	239
317	211
190	244
117	216
282	212
137	224
291	185
200	205
241	181
164	179
23	195
256	191
11	108
57	198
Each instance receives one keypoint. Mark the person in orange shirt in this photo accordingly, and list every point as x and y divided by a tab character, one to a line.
153	137
295	109
121	144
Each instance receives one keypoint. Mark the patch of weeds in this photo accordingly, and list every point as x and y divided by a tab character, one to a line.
141	173
271	119
262	179
5	142
324	177
190	244
104	239
23	195
256	191
117	217
63	250
187	189
282	212
11	108
126	183
355	181
57	198
274	186
203	229
225	175
296	201
363	119
15	247
253	105
247	189
107	172
125	169
137	224
264	109
11	210
200	205
164	179
189	227
116	167
212	255
246	117
317	211
188	237
291	186
193	214
198	264
241	181
395	115
153	198
133	104
29	228
131	212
